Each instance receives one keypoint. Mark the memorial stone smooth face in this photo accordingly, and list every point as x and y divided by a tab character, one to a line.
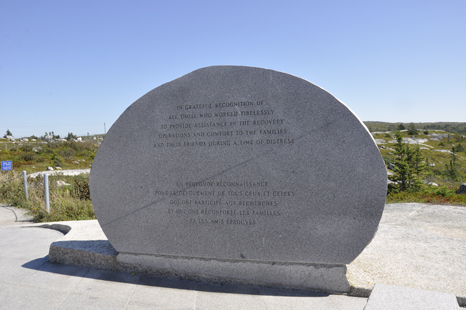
239	163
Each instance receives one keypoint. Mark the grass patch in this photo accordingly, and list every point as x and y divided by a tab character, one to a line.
429	194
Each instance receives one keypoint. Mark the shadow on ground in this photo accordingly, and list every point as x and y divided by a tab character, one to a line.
42	265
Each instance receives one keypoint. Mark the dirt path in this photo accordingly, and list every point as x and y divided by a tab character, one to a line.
63	172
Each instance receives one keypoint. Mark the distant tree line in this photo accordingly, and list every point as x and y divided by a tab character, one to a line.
459	128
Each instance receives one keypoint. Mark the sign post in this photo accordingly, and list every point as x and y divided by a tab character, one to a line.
25	184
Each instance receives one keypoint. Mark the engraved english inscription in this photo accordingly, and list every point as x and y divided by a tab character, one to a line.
221	125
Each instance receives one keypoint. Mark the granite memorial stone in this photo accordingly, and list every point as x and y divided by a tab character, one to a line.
240	173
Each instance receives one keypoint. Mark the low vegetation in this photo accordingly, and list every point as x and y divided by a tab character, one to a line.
33	156
68	202
423	166
429	194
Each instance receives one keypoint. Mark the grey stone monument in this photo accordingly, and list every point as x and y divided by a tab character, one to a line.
240	174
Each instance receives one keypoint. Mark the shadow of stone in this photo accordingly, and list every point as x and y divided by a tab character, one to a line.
36	263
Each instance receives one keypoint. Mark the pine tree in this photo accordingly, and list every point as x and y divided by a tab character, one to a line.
402	171
412	131
419	167
8	133
409	166
452	169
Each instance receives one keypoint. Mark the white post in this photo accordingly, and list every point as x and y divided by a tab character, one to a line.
25	183
46	192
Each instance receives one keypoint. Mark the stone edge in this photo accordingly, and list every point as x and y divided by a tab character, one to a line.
328	278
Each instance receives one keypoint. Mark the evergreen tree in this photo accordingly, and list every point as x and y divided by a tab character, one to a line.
412	131
459	148
70	136
400	127
452	169
8	133
402	171
409	166
419	166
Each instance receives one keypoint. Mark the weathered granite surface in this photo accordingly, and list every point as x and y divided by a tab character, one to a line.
417	245
239	164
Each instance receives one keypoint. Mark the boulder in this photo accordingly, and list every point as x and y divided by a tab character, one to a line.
61	183
49	169
391	166
462	189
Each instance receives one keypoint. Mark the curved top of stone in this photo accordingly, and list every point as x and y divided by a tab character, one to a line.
239	163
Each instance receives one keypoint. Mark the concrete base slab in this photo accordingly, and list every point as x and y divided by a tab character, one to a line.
85	245
391	297
328	278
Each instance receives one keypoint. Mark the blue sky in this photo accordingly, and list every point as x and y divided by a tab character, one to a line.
71	66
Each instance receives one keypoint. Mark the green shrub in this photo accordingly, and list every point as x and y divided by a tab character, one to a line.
57	160
428	194
388	160
28	157
441	191
80	188
26	148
